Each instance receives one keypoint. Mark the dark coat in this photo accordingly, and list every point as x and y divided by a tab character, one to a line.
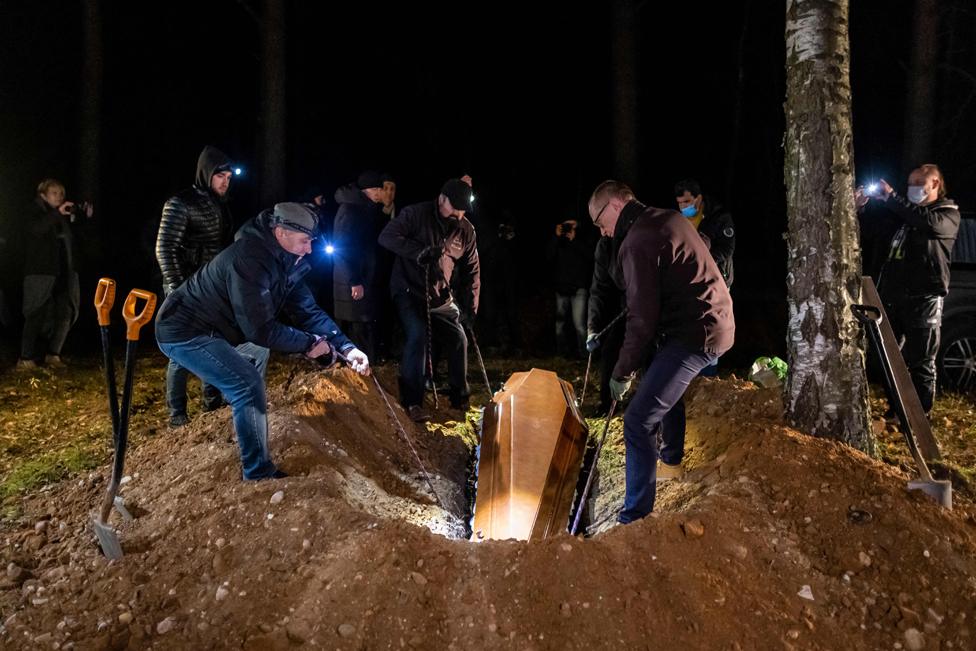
673	287
239	294
719	232
196	224
606	300
48	245
419	226
354	236
917	260
570	262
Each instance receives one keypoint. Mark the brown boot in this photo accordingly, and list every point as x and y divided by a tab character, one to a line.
667	471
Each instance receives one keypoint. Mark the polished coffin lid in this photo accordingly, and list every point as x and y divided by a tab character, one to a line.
533	439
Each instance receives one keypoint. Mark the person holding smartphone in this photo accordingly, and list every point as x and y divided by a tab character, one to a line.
915	232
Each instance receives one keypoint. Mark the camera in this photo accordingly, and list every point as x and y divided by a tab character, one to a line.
871	189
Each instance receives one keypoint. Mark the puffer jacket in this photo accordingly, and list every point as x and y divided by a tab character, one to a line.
918	256
239	294
196	224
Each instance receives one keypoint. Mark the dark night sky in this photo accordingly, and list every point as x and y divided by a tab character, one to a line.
516	95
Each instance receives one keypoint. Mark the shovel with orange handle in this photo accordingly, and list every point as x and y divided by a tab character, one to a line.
108	538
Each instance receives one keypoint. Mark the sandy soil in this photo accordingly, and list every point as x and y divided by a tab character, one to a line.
773	540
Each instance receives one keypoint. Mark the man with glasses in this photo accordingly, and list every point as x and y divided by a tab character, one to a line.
222	322
679	315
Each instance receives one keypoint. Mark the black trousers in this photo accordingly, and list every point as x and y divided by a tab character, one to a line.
447	332
917	322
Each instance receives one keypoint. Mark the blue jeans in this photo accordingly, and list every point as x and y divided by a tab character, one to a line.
447	332
660	392
571	311
176	377
238	373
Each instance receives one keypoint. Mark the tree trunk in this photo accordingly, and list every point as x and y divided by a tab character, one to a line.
624	62
91	100
273	103
826	391
920	112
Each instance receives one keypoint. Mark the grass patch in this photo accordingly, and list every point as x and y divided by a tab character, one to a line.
50	468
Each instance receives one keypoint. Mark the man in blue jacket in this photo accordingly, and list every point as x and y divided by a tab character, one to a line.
222	322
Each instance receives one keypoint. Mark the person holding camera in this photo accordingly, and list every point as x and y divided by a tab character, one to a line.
196	225
570	258
51	290
919	230
434	245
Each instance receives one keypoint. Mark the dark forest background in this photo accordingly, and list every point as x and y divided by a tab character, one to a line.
538	103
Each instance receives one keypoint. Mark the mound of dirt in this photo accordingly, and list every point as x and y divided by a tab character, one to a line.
773	540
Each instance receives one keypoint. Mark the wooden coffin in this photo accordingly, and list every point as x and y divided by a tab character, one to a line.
532	444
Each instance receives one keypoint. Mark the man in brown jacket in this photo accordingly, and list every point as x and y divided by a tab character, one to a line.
679	316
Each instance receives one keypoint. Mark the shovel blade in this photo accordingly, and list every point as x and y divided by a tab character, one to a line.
938	490
108	539
119	505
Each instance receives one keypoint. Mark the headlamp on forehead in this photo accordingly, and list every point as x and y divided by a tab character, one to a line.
238	171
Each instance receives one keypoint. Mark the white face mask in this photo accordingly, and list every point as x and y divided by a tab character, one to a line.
917	194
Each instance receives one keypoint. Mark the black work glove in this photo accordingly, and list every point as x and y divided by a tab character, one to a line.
429	255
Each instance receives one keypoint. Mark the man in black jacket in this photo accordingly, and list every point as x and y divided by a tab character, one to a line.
355	279
196	225
433	243
570	259
713	222
221	323
605	302
914	278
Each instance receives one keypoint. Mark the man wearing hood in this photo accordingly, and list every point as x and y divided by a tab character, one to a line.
679	319
222	322
355	279
919	230
195	227
434	246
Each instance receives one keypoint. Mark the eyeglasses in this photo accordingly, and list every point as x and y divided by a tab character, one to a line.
596	220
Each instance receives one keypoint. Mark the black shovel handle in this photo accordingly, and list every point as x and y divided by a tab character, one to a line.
867	314
134	322
104	300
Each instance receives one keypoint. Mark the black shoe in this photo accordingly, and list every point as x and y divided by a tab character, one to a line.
418	414
213	405
278	474
178	420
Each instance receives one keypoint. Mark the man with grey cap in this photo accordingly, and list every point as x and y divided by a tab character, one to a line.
222	322
435	248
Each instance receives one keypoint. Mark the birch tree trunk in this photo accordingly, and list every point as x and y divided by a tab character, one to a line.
826	391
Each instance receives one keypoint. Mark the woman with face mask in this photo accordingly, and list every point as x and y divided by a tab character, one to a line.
914	276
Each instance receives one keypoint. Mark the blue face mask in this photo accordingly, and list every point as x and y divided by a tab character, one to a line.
689	211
